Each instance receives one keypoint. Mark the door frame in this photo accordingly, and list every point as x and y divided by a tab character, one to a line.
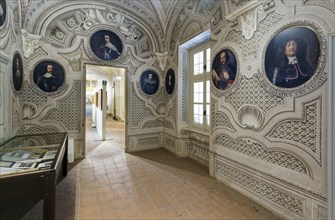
126	98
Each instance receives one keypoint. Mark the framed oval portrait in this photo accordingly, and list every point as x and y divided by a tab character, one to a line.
49	76
3	12
169	81
17	71
106	45
224	69
291	57
149	82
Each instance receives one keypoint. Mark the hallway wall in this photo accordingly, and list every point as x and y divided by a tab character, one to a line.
11	46
62	34
269	141
266	141
64	38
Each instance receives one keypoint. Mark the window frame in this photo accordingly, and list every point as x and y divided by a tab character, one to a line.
204	77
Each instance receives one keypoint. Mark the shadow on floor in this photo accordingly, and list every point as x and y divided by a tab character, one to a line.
164	157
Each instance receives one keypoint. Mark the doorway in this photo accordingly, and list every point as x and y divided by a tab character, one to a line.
105	101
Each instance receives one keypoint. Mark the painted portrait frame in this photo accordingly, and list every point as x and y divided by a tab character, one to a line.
42	80
224	75
170	80
319	76
149	84
17	72
292	57
3	13
106	52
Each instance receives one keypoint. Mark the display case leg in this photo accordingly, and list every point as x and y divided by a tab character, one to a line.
49	201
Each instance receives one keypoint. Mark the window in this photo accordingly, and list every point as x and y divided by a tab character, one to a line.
200	86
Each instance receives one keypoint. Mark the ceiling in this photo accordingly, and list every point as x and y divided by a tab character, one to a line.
157	20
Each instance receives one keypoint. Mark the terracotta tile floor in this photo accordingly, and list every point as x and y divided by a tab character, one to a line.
112	184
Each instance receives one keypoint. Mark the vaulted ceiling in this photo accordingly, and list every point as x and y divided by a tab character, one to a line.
159	20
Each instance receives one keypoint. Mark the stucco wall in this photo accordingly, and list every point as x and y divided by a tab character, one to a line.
268	141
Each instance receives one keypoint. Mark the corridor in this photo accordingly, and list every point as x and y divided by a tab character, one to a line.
112	184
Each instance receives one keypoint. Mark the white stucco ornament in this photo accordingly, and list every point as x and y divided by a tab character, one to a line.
250	117
161	108
59	34
91	17
249	22
162	58
29	110
71	22
247	15
30	43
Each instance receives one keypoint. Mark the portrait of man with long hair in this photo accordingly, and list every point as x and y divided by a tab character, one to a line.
291	58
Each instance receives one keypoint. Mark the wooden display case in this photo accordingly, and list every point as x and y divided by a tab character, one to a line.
30	168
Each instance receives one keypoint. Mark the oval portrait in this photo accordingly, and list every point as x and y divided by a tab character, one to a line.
17	72
3	12
149	82
291	57
49	76
169	81
106	45
224	69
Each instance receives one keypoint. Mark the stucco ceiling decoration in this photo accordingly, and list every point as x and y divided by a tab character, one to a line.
151	15
24	7
164	10
157	17
86	18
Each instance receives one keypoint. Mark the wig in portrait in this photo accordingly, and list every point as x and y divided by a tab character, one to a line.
291	57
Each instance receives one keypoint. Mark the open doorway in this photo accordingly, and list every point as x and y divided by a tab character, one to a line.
105	96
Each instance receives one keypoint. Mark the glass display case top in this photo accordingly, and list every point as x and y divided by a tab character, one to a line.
29	153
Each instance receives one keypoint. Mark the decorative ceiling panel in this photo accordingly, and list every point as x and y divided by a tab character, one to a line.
163	10
157	17
153	15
